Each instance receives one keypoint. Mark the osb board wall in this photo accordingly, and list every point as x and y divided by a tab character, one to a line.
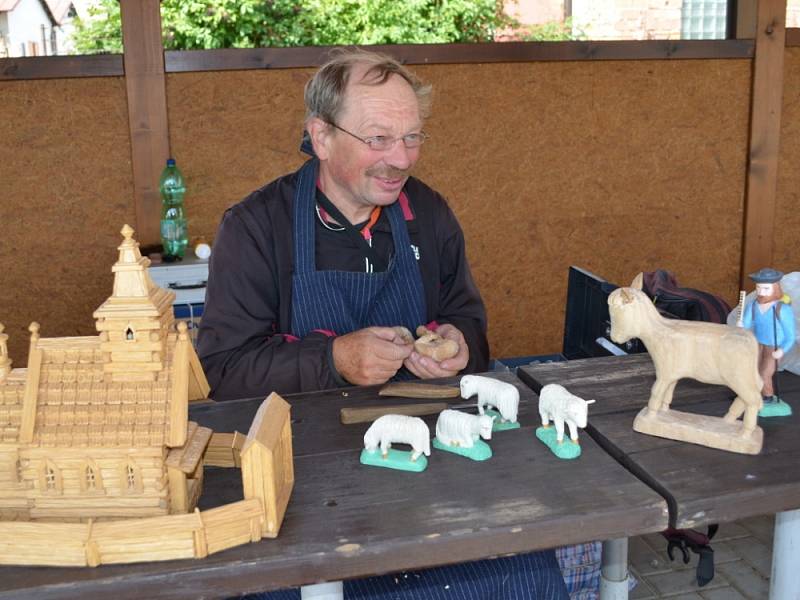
67	190
230	133
613	166
787	213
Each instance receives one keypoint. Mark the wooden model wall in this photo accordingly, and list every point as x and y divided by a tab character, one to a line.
194	535
616	166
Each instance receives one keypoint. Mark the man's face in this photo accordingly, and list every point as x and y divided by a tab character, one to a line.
764	289
355	177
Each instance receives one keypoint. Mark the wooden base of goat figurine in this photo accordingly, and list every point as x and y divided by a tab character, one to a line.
558	405
707	352
459	433
504	397
397	429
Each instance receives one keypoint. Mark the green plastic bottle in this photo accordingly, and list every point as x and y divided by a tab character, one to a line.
174	232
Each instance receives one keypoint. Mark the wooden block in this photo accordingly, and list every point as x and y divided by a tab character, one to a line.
178	493
194	449
224	449
176	454
703	430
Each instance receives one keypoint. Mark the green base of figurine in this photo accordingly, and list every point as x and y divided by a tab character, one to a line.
775	409
498	425
396	459
480	450
566	450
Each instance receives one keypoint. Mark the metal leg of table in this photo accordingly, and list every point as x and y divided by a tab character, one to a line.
614	576
784	582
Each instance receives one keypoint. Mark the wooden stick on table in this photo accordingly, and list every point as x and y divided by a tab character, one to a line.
364	414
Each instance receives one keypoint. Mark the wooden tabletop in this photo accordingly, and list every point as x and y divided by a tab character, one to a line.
348	520
702	485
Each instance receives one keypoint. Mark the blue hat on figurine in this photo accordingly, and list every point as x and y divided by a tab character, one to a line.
766	275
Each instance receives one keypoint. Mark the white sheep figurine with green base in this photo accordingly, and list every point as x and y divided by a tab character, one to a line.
491	392
561	406
398	429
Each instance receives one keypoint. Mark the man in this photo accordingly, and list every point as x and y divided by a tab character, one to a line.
773	324
310	274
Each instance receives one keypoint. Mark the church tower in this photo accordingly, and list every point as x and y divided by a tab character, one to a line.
136	319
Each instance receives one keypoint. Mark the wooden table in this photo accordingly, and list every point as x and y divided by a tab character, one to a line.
702	485
346	520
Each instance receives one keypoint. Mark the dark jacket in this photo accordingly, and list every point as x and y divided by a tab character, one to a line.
244	341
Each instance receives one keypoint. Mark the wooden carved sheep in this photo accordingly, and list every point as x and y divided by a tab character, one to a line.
491	392
558	405
707	352
398	429
454	428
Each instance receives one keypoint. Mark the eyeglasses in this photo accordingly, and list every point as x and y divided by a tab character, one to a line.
382	143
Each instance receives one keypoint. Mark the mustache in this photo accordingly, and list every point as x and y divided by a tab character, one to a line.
388	172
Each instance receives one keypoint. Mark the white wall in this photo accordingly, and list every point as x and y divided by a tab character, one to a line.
793	13
628	19
24	25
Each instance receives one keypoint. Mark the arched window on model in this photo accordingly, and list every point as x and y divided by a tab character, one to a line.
131	478
19	473
91	479
50	478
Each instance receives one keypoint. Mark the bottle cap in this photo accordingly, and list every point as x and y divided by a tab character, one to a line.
170	162
202	251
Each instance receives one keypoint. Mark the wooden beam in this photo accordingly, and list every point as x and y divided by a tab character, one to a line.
427	54
60	67
746	15
111	65
147	110
765	130
32	377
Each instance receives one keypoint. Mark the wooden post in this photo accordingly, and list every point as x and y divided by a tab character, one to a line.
147	109
30	400
746	19
179	403
765	129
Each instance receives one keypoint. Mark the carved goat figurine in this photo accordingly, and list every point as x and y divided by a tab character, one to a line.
707	352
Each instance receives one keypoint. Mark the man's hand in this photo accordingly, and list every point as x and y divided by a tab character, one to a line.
370	356
778	354
425	367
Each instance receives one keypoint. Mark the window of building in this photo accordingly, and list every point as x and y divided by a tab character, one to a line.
131	478
18	471
704	19
91	478
50	479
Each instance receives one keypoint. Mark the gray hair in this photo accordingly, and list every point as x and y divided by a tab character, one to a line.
324	93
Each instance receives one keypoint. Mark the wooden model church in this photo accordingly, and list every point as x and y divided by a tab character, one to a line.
97	426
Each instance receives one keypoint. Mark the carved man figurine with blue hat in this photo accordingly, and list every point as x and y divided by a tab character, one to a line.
771	320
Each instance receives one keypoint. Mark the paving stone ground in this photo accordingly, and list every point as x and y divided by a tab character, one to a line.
742	561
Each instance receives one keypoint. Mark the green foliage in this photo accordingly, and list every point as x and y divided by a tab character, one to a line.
196	24
101	31
554	31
